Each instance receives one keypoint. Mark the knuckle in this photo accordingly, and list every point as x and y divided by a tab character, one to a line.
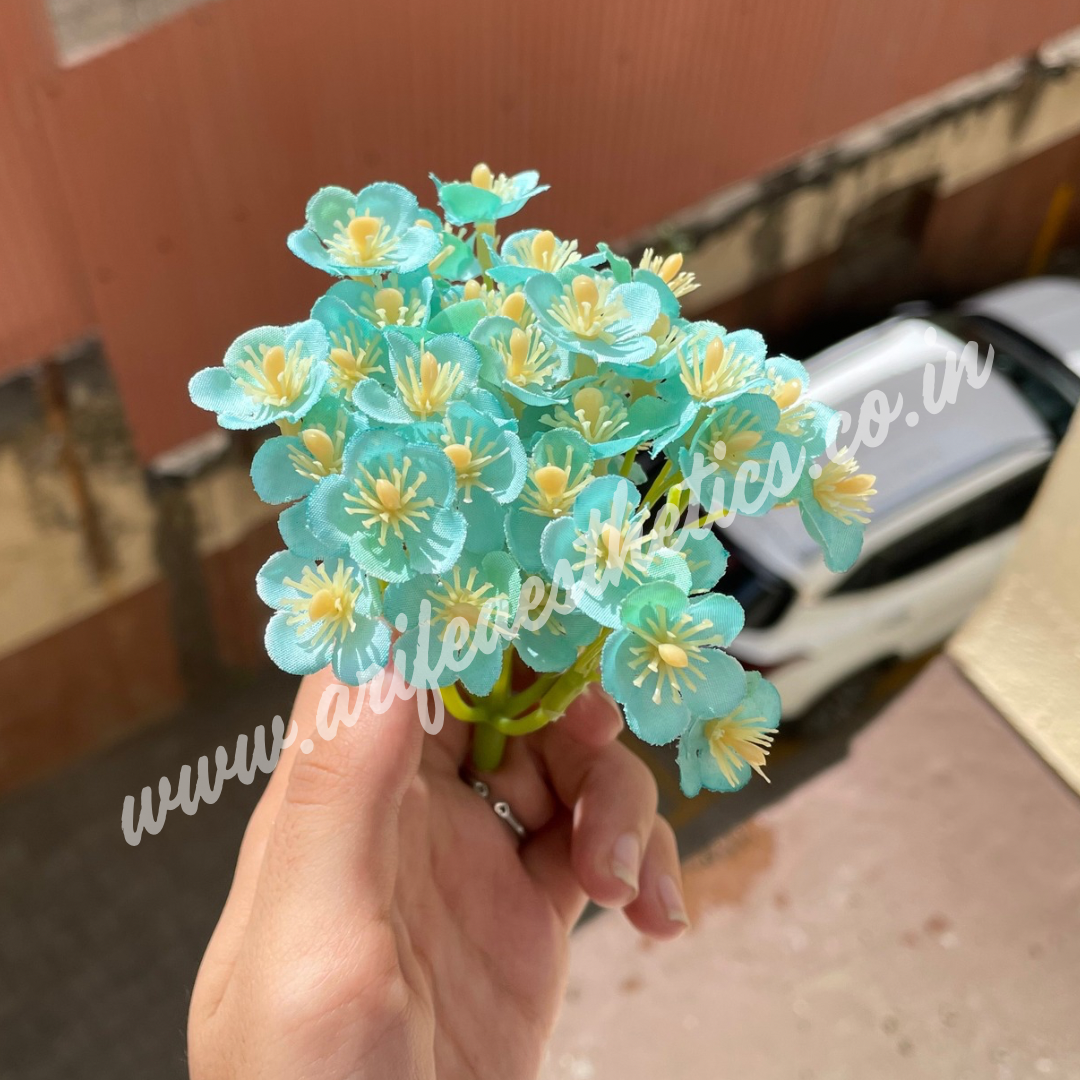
316	776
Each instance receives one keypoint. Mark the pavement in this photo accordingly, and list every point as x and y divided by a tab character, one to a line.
911	911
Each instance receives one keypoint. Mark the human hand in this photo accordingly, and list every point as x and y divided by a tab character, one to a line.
383	923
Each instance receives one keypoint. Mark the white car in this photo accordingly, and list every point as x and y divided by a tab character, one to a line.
952	487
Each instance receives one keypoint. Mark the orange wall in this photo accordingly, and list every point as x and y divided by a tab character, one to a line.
187	154
44	302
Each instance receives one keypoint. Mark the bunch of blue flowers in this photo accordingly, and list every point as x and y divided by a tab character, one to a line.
500	455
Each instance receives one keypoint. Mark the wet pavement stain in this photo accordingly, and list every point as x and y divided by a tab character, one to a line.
726	873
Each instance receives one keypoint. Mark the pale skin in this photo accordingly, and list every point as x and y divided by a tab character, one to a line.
383	923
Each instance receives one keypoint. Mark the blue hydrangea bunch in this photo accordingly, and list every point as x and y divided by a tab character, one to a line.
501	461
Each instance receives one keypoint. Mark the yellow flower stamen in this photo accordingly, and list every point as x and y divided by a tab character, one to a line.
730	440
715	370
470	456
322	451
477	605
611	551
327	603
672	653
552	489
389	500
527	359
426	388
670	271
514	307
796	410
273	378
350	361
735	740
585	310
597	416
483	178
393	306
363	240
843	491
544	252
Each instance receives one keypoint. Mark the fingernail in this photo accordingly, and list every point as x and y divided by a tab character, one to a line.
672	899
626	859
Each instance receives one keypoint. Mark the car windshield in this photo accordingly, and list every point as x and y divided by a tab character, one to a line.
1050	387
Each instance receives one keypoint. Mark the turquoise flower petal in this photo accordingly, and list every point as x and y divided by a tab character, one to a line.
272	472
362	652
840	543
485	520
650	723
571	550
380	404
439	545
669	302
551	644
426	607
727	464
299	539
481	673
295	655
523	534
270	580
417	530
467	203
705	558
431	673
722	686
326	612
626	314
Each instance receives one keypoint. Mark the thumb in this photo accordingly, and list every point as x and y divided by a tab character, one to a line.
335	835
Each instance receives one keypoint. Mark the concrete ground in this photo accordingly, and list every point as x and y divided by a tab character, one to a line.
911	912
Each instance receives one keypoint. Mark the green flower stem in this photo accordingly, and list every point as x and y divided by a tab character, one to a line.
502	683
660	484
488	745
457	707
628	461
499	716
527	698
483	255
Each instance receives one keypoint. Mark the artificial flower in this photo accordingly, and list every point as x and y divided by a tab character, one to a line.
605	552
288	467
270	374
456	625
722	752
666	664
376	231
834	501
327	613
486	197
393	505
